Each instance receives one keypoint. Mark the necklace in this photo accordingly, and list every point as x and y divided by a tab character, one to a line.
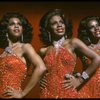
58	44
9	50
95	47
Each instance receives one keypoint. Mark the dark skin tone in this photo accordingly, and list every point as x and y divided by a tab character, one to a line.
56	28
15	30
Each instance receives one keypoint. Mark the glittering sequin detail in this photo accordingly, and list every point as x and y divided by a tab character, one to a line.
92	88
58	65
12	73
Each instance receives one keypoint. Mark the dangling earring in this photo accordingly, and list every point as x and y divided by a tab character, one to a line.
22	38
49	35
65	36
7	35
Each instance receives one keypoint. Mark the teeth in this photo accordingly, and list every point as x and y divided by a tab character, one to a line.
60	30
16	30
98	34
97	31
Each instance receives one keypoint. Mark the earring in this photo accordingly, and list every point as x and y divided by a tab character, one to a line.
22	38
49	36
65	36
7	35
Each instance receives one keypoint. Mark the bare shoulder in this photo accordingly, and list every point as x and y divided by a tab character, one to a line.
43	51
75	41
27	47
72	41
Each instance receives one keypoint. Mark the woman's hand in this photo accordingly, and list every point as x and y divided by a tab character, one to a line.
71	82
43	82
12	93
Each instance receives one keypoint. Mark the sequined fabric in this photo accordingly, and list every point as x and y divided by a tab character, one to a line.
92	88
58	65
12	73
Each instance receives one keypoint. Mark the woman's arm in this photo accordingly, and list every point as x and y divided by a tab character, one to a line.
95	58
42	52
39	68
73	82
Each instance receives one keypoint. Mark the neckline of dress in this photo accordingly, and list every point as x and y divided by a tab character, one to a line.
94	46
58	44
10	51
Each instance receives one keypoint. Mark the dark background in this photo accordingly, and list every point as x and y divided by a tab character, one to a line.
33	10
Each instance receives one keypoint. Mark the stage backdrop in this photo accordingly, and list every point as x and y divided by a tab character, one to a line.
34	10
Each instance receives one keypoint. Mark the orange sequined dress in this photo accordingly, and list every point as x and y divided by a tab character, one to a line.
92	88
58	65
12	72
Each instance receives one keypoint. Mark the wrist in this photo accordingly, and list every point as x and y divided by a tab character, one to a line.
81	79
23	94
84	75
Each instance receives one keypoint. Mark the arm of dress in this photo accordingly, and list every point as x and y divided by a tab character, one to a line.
95	58
39	68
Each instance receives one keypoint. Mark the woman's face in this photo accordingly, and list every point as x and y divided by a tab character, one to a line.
94	28
57	26
15	27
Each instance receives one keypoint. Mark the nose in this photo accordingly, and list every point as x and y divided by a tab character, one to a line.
59	24
97	28
16	25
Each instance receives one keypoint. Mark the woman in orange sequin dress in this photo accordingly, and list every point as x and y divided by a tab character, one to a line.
60	57
89	33
15	38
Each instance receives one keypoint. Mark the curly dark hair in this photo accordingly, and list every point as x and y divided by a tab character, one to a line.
27	28
85	35
83	31
44	23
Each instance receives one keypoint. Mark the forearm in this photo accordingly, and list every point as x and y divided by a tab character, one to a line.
36	76
93	66
90	69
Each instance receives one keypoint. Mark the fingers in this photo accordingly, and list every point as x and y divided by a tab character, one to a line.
46	74
73	88
8	95
66	81
12	93
71	76
42	87
43	83
70	86
11	97
43	80
10	88
67	85
9	92
72	82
